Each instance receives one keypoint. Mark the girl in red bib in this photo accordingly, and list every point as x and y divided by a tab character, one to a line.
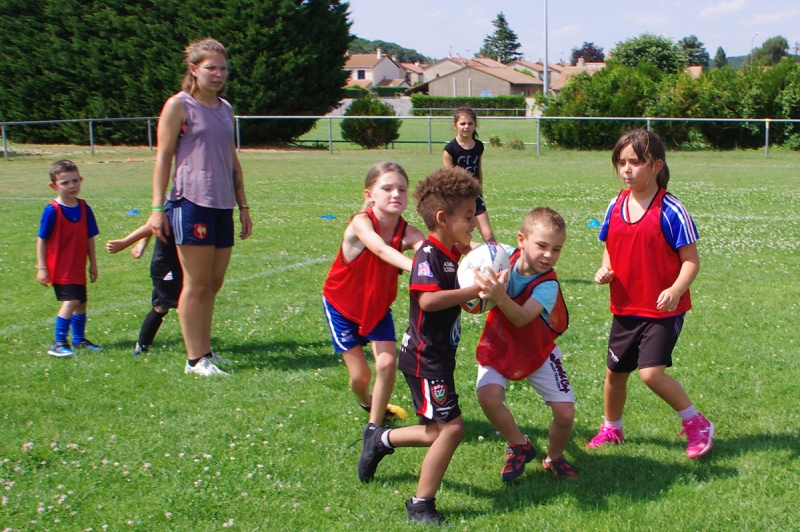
362	285
650	259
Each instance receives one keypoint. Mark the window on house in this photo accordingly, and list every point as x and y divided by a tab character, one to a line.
361	74
486	94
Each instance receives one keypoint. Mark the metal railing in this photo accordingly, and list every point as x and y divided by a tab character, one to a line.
429	119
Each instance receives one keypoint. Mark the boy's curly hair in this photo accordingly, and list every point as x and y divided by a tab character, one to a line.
444	190
544	217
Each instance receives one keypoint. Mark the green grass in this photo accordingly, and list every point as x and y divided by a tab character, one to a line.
109	441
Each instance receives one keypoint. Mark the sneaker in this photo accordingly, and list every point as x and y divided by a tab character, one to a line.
372	452
516	458
86	344
561	468
394	412
424	512
699	432
605	436
60	349
205	367
218	359
139	349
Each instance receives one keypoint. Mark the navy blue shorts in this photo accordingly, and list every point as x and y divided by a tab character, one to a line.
435	400
638	343
70	292
194	225
344	332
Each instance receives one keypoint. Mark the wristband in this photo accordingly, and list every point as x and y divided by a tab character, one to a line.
242	207
158	207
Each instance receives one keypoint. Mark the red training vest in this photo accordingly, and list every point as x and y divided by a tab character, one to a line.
516	352
68	247
644	264
363	290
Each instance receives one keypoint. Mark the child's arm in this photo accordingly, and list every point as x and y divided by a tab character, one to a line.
494	288
442	299
412	238
605	274
363	230
690	264
41	262
447	159
92	260
115	246
138	250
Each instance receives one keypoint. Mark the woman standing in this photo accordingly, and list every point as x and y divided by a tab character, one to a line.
196	129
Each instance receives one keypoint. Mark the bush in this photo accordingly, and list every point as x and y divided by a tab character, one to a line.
494	141
422	102
516	144
370	133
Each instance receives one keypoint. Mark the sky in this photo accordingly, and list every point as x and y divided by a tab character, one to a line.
436	28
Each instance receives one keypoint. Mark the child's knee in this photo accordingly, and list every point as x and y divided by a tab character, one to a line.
453	431
491	395
386	364
359	380
563	414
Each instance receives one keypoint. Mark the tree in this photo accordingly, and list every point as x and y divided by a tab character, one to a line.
405	55
720	60
370	133
502	45
589	53
66	59
771	52
654	49
695	52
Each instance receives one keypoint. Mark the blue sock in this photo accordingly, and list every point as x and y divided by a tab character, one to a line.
62	328
78	328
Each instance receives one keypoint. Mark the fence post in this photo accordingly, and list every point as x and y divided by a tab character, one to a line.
766	137
648	124
430	140
330	135
5	147
238	137
150	134
538	136
91	136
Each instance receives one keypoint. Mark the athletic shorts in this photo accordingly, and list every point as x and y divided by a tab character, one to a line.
480	205
194	225
167	293
434	400
638	343
70	292
344	332
550	381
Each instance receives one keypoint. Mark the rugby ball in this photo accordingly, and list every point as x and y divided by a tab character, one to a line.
489	255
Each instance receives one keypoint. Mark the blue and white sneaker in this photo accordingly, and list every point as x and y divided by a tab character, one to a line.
138	349
61	350
86	344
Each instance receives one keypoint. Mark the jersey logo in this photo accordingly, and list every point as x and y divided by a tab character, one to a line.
455	332
449	267
424	269
427	249
169	277
200	231
439	392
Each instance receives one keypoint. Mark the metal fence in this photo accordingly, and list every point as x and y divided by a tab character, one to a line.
330	141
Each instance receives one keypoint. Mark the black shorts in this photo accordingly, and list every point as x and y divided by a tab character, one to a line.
167	293
70	292
480	205
642	343
434	399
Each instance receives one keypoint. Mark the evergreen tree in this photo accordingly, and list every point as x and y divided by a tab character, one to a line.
654	49
720	60
589	53
502	45
696	53
771	52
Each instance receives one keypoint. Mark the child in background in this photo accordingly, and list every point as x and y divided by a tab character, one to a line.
362	285
446	203
650	259
465	151
518	342
66	238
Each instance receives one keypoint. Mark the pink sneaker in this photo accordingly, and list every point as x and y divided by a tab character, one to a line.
605	436
699	432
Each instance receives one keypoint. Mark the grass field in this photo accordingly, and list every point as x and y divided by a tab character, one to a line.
107	441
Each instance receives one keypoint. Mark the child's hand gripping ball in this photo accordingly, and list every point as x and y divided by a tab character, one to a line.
489	255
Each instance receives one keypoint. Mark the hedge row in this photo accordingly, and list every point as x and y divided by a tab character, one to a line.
443	104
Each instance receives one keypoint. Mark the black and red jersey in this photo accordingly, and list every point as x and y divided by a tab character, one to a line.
428	349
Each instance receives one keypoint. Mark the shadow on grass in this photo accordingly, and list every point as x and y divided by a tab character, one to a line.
284	355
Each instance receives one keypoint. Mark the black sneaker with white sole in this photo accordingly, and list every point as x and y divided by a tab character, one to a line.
424	512
372	452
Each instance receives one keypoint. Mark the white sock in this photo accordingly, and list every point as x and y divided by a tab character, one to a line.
385	439
614	424
687	413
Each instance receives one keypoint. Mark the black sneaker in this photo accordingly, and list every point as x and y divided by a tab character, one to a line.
88	345
372	452
424	512
138	349
516	458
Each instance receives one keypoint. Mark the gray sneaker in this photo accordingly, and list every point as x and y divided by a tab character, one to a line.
205	367
218	359
424	512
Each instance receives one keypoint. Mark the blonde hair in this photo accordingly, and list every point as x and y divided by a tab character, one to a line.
196	53
543	217
375	173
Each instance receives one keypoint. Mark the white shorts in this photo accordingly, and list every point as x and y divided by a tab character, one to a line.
550	381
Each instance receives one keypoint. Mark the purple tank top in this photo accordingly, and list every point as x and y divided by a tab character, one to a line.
204	155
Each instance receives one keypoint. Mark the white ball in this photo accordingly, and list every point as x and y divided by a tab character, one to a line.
489	255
